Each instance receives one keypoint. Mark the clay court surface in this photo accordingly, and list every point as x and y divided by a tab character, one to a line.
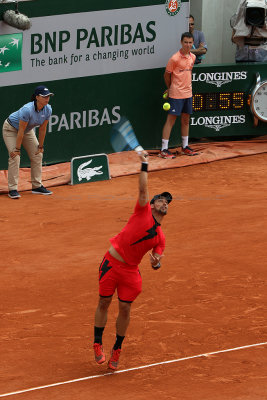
210	294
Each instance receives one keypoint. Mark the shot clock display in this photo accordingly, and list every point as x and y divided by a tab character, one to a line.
228	100
219	101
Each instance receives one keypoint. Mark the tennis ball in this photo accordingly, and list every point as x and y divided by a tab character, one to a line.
165	95
166	106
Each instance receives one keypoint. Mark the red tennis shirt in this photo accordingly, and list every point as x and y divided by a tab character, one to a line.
141	234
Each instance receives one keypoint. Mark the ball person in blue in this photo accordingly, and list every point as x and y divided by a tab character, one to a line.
18	130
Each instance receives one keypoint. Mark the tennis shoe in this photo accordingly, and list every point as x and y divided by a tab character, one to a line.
188	151
114	359
99	353
41	190
166	154
14	194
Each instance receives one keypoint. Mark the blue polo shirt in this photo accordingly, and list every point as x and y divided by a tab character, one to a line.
199	38
28	114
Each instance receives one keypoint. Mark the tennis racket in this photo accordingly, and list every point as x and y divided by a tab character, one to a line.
122	137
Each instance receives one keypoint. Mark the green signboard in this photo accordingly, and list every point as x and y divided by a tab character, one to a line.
89	168
102	60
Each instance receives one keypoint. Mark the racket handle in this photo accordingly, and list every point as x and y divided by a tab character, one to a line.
139	149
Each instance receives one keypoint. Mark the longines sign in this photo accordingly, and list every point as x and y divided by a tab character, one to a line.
218	122
219	78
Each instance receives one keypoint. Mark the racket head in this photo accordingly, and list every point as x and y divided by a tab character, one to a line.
122	136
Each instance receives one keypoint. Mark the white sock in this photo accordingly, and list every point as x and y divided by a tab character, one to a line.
184	141
165	144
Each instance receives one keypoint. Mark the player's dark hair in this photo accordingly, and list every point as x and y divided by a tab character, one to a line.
187	35
191	16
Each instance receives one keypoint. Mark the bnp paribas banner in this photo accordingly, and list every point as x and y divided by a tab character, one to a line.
102	60
92	43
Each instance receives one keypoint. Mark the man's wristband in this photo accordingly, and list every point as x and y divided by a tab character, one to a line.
17	149
144	166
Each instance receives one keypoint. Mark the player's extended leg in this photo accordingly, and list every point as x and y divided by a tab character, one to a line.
101	316
166	132
129	287
123	318
122	324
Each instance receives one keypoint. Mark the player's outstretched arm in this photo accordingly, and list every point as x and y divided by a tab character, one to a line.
143	187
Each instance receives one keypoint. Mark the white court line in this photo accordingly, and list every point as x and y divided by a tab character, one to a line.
132	369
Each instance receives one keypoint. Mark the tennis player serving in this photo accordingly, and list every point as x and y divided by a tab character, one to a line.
119	268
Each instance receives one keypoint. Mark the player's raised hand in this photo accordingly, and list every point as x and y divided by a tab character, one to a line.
143	155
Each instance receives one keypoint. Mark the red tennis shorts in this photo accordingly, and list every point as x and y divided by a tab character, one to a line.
114	274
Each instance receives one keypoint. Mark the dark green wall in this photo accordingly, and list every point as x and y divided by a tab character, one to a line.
37	8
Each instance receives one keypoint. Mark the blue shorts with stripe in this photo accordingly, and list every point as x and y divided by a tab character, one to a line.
179	106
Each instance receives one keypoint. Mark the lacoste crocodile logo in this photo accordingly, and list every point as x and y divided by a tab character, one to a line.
88	173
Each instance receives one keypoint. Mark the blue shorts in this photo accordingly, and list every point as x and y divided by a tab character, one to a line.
179	106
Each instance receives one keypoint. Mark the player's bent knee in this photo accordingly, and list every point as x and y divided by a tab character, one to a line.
125	308
104	302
